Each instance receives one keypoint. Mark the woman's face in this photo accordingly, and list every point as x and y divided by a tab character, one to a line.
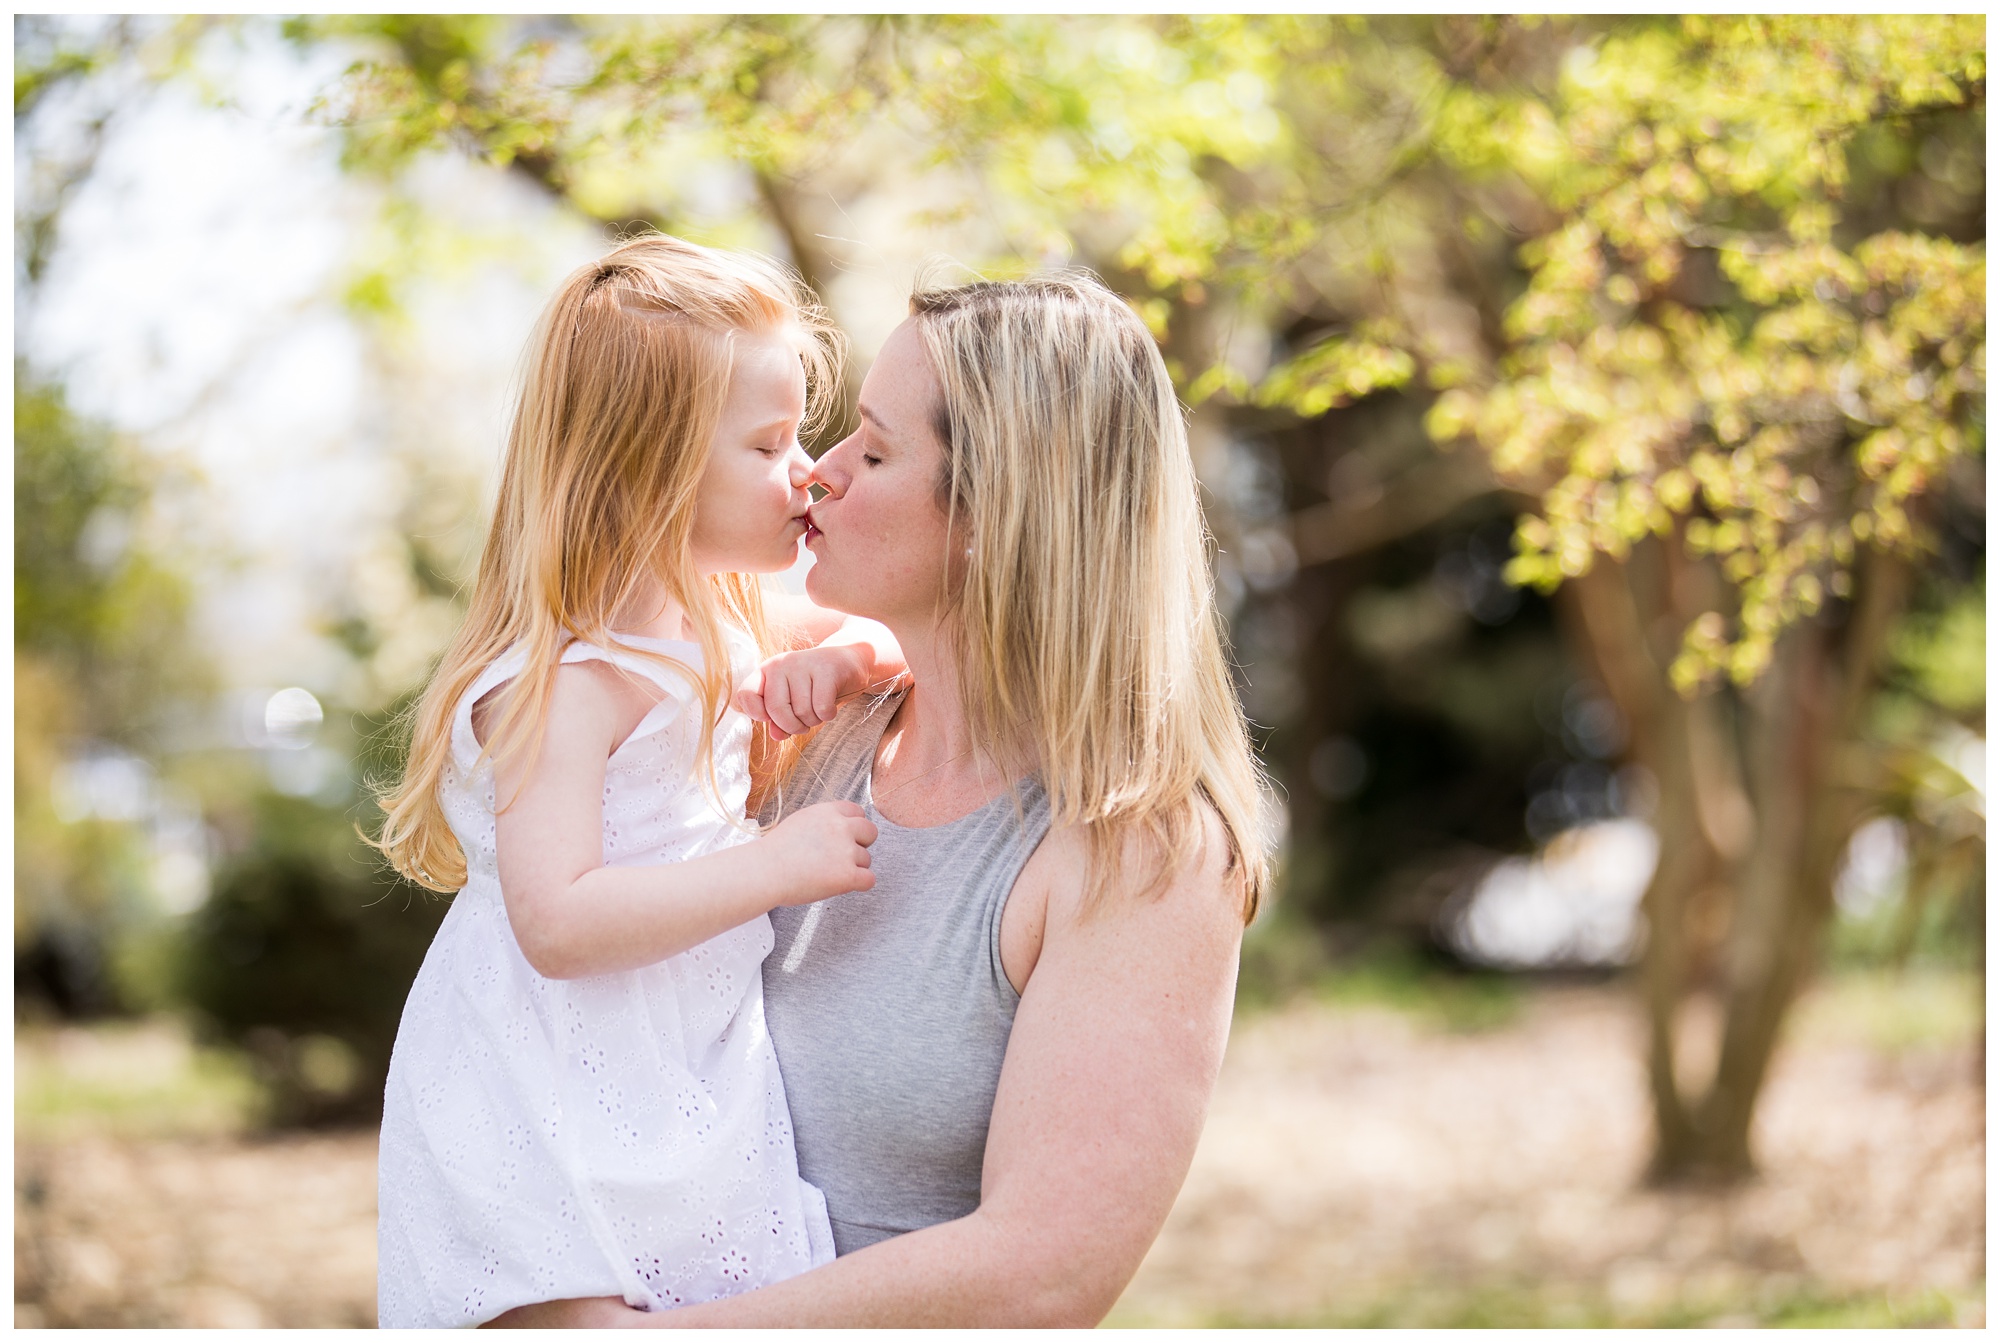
878	538
750	510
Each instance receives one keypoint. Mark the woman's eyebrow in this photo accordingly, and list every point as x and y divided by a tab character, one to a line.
871	417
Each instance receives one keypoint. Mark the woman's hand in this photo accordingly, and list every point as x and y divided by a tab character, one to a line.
587	1312
796	692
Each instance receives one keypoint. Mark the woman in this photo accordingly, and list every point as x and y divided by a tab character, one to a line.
998	1060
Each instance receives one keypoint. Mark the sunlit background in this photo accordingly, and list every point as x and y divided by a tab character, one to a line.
1590	415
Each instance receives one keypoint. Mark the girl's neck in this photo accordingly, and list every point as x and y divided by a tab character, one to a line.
653	613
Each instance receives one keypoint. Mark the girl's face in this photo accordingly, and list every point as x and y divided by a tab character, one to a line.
879	538
751	508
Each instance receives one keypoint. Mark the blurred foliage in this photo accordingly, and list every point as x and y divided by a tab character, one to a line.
95	605
298	952
1709	346
303	948
1943	655
302	955
1925	725
102	663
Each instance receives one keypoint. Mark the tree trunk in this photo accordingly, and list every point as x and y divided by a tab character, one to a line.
1762	807
1808	711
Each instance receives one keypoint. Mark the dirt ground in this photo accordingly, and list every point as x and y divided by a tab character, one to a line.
1360	1166
1357	1169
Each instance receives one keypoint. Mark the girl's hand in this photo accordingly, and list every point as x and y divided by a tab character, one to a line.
821	851
796	692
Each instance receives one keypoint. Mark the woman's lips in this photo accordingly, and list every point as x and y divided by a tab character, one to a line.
812	528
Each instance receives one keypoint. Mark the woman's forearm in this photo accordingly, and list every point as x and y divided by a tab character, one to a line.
971	1273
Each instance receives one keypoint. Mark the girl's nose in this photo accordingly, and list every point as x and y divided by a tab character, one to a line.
799	469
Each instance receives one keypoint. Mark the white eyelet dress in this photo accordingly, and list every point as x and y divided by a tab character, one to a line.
623	1135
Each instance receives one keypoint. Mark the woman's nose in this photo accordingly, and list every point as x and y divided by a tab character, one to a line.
828	474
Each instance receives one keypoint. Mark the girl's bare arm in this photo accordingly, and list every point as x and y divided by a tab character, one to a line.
573	916
840	656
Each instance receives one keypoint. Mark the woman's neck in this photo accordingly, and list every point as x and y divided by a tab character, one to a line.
927	768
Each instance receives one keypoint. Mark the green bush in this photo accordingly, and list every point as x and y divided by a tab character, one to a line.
303	955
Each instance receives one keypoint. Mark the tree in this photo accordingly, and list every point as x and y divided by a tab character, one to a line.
1736	396
1691	292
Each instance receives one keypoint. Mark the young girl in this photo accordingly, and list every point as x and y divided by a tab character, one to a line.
583	1100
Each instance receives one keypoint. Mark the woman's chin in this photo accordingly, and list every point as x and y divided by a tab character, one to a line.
821	587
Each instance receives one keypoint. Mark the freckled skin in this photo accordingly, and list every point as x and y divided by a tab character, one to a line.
878	535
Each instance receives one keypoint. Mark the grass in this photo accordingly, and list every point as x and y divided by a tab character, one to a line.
1895	1011
1444	999
1283	963
128	1079
1753	1304
1925	1005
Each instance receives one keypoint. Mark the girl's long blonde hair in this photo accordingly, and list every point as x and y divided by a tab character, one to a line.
623	383
1086	626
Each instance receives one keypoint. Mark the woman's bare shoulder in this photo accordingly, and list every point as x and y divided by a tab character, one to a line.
1197	901
1199	874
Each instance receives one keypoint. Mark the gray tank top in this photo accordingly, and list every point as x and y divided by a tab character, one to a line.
889	1007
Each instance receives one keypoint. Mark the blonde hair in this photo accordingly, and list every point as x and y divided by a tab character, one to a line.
623	383
1086	625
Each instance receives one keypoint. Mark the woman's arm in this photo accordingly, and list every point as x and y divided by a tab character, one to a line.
1109	1068
572	916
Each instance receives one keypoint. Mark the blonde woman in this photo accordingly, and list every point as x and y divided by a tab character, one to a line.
583	1096
998	1059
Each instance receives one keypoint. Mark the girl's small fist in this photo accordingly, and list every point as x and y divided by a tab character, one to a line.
796	692
823	851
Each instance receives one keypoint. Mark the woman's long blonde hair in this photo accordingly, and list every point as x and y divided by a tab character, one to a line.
1086	626
623	383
